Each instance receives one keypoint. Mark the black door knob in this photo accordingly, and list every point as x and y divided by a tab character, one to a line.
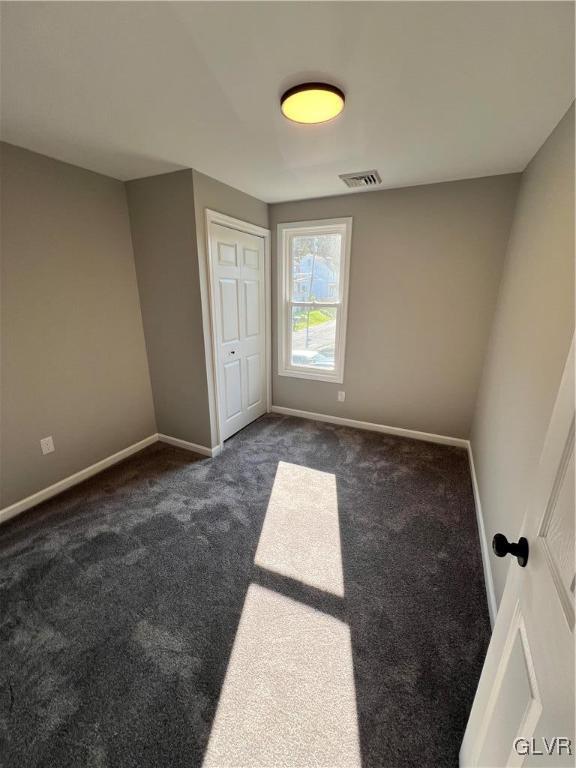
503	547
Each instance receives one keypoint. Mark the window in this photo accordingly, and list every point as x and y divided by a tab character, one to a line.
314	261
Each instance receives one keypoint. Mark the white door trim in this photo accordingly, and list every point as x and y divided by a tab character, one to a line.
208	315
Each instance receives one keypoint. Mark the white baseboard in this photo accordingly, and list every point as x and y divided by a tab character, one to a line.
68	482
201	449
62	485
414	434
484	547
53	490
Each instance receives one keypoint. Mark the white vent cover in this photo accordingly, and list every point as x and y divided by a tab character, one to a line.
361	179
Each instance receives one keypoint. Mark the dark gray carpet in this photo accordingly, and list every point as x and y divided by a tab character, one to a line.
166	543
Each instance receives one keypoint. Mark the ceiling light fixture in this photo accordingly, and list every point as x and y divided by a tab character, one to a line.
312	103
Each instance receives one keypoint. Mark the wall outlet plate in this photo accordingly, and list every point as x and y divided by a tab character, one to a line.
47	445
341	397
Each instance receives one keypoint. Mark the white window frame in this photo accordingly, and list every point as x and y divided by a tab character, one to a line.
285	232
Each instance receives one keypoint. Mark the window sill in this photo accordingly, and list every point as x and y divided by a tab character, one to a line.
332	378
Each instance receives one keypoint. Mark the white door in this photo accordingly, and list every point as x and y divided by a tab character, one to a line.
239	311
526	690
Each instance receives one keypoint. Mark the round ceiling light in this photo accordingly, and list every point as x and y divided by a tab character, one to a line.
312	103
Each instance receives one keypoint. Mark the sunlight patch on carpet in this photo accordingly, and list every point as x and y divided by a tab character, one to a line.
288	698
300	537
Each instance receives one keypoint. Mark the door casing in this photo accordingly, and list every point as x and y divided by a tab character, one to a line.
209	319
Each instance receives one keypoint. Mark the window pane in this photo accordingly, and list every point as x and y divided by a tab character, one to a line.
315	265
313	337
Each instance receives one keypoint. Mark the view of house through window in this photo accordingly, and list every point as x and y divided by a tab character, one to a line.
315	261
314	268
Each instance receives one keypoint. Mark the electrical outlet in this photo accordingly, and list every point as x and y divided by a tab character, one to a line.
47	445
341	397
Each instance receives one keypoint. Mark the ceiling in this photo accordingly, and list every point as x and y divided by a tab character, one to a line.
435	91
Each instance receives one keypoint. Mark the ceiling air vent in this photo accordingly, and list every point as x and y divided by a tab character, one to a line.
361	179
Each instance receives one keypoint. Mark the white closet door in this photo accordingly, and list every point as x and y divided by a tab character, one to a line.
238	281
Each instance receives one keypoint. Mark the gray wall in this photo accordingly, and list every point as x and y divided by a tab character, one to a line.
531	335
424	273
213	194
73	356
164	238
